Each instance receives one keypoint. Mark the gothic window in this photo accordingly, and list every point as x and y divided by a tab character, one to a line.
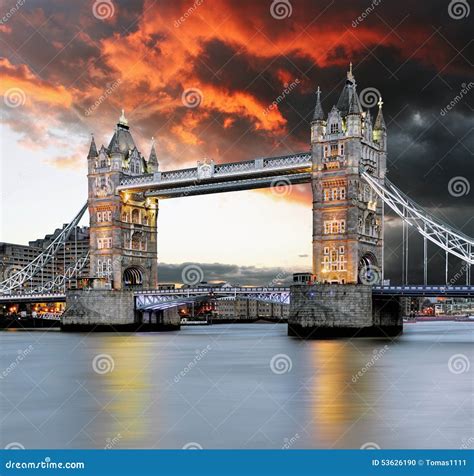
327	196
369	225
99	217
341	250
334	226
137	241
342	192
135	216
342	149
145	219
104	243
103	163
334	128
334	147
325	151
109	215
326	250
124	217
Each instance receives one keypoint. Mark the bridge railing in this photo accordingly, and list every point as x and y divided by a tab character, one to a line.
284	162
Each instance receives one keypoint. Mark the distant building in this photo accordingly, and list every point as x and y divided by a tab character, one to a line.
241	308
14	257
302	278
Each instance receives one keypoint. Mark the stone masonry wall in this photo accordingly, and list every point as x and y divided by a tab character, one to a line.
99	307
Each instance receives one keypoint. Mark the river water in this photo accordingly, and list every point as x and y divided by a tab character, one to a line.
238	386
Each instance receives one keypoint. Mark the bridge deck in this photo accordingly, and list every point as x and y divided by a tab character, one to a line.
208	177
277	292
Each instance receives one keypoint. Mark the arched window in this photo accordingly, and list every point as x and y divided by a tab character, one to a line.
145	219
369	224
135	216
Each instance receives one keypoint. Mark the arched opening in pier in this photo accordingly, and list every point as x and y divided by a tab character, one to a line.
132	276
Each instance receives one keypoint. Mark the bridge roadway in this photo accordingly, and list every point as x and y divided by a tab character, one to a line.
209	177
278	294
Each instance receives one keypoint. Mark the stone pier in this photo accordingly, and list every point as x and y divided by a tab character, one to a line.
322	311
112	310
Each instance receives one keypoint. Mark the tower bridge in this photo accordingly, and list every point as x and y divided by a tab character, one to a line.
346	168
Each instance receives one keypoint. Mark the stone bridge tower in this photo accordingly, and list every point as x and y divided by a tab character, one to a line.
123	246
347	215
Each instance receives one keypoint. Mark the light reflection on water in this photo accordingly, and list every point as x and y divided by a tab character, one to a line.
214	386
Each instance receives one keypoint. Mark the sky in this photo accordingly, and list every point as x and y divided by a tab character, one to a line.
68	68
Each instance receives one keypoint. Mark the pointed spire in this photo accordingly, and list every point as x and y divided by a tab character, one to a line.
153	159
92	148
354	105
380	122
114	145
318	110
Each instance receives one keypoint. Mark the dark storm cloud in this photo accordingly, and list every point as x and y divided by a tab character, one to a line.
234	274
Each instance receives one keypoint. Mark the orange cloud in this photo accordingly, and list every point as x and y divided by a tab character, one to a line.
20	81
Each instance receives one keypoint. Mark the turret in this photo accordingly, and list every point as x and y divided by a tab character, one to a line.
318	124
354	120
380	129
152	162
92	149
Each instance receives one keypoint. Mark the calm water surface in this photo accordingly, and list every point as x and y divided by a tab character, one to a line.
218	387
